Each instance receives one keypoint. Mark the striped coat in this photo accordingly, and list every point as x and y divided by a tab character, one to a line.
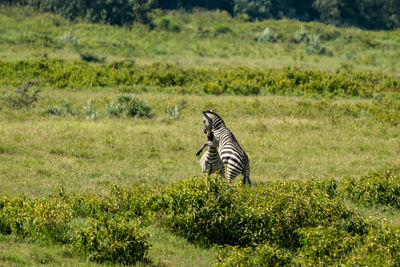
210	162
230	152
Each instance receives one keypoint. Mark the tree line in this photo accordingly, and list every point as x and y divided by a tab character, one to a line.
369	14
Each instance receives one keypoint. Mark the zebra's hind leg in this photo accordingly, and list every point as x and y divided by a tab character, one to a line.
246	176
246	180
231	174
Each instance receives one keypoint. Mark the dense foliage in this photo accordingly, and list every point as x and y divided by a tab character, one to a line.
365	13
238	80
118	12
276	223
375	188
213	212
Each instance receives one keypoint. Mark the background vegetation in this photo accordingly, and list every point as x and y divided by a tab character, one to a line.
364	13
99	125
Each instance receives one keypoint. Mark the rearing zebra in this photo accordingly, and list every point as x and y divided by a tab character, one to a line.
230	152
210	162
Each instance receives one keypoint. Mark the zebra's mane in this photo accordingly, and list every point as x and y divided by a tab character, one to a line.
215	114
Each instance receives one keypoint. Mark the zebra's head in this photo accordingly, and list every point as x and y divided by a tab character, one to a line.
210	136
211	121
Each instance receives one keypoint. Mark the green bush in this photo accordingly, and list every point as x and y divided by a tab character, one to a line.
222	29
90	57
326	246
113	240
23	97
238	80
166	23
130	106
374	188
41	218
271	224
211	211
262	255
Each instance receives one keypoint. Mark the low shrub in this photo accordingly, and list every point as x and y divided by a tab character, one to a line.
64	110
46	219
23	97
381	187
326	246
262	255
222	29
211	211
113	240
237	80
271	224
90	57
130	106
169	24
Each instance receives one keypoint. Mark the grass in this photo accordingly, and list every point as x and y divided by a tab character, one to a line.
167	250
31	35
286	137
18	252
283	139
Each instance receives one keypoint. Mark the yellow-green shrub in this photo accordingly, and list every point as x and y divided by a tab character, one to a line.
212	211
111	239
237	80
326	246
262	255
381	187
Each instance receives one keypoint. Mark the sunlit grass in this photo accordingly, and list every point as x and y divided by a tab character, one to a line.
285	137
39	152
31	35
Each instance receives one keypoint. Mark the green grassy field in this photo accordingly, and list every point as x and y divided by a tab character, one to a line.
200	39
63	141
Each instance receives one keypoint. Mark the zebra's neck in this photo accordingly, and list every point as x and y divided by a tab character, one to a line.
222	131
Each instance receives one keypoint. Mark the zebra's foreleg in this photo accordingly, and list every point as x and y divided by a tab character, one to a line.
209	143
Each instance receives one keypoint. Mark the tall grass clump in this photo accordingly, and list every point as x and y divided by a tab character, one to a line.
130	106
90	110
64	110
175	111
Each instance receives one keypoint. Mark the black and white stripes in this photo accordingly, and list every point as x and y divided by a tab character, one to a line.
210	162
229	150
